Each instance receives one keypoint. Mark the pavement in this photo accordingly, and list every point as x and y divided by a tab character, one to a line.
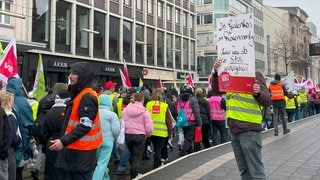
294	156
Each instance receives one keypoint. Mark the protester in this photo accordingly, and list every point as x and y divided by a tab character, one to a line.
162	124
139	126
81	127
23	113
190	104
278	92
291	105
7	100
244	119
52	124
110	127
205	117
5	141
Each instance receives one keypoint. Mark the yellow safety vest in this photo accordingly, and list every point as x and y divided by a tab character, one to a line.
158	111
290	104
304	97
243	107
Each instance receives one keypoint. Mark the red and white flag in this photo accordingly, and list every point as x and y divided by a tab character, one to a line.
159	83
190	80
210	80
125	83
126	73
8	64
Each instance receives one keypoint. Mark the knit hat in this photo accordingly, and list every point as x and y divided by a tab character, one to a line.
277	77
58	87
63	94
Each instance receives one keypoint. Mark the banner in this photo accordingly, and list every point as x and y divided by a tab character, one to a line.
8	63
39	87
190	80
235	44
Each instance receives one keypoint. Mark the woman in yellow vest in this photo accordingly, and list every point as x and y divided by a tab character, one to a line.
244	120
291	104
162	124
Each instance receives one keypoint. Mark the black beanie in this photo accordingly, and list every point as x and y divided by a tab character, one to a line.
277	77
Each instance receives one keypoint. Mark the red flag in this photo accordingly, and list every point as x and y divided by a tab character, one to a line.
125	82
159	83
190	80
295	79
9	65
126	73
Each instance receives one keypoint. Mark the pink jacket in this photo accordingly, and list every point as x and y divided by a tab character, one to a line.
137	119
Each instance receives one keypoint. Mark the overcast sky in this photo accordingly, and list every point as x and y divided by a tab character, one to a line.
311	7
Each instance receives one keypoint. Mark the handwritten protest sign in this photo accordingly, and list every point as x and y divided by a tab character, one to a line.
235	42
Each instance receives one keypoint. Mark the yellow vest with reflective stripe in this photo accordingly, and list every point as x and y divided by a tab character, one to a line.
243	107
290	104
304	97
158	111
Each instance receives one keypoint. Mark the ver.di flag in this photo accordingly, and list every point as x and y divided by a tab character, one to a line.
126	73
39	88
8	63
125	83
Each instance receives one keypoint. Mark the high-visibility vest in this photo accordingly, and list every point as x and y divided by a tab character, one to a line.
158	111
112	95
243	107
93	138
290	103
216	112
120	107
187	109
276	91
304	97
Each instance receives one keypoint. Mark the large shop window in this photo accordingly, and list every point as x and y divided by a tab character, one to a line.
63	26
99	39
41	21
82	37
114	24
127	41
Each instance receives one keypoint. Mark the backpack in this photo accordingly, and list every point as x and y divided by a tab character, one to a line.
181	118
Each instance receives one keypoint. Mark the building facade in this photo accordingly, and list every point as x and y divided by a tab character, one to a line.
155	38
207	13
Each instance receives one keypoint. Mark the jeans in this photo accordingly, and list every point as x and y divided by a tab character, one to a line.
247	151
219	132
304	109
277	114
103	157
124	158
188	133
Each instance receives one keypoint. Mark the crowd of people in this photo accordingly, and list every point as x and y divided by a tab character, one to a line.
73	130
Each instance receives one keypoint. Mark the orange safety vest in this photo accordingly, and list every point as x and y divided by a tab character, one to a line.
93	138
276	91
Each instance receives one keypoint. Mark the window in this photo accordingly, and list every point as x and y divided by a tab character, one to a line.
205	38
177	16
169	51
185	19
160	49
169	16
63	26
82	37
207	1
98	39
207	19
160	9
41	22
192	53
127	40
199	20
150	46
185	53
127	2
191	21
114	38
139	46
139	4
150	7
5	6
178	52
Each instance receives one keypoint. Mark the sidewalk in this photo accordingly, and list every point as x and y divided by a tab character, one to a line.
292	156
